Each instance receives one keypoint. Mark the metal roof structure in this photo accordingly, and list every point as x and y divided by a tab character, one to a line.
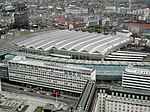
76	41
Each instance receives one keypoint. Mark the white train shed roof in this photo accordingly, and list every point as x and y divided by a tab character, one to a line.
77	41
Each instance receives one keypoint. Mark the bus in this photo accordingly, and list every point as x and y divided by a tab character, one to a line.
56	94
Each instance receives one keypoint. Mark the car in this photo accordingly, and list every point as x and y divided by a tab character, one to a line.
47	94
36	88
38	92
22	29
25	90
42	93
31	30
31	91
21	88
10	33
56	94
105	33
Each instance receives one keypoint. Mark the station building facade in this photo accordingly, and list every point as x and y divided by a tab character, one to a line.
50	75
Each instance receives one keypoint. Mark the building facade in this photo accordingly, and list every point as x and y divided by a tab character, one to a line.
21	20
136	78
92	21
76	10
121	100
138	27
3	71
50	75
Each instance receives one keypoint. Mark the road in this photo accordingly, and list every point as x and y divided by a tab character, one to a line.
71	101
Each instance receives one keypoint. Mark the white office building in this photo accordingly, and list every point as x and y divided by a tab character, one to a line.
76	10
92	21
50	75
136	78
120	100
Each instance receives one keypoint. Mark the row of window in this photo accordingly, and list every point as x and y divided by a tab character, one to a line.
53	81
49	85
82	79
23	74
50	73
43	69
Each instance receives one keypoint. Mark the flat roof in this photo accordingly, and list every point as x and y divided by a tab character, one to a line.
27	61
141	70
76	41
86	93
125	90
55	59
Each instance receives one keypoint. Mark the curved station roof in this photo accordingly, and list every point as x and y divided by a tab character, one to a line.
76	41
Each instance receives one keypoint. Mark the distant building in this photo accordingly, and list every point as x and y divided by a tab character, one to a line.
139	27
64	22
92	21
111	9
21	20
76	10
21	7
137	78
143	14
123	32
77	25
9	9
123	10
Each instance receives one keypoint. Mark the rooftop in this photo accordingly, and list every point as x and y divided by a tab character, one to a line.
75	41
124	90
23	60
74	61
137	72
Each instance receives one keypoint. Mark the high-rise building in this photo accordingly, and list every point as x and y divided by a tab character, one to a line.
21	20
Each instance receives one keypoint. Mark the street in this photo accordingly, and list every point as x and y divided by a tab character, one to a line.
14	89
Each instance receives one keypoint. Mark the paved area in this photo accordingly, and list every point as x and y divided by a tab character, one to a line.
33	102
